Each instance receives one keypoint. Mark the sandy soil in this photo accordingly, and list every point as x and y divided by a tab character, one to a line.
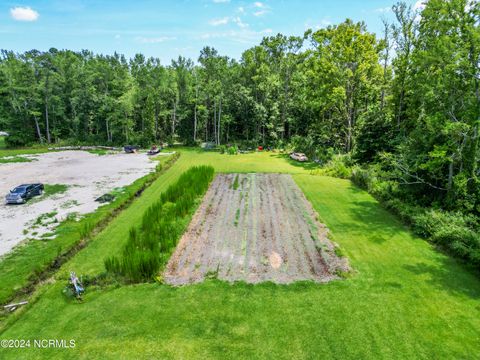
87	175
265	230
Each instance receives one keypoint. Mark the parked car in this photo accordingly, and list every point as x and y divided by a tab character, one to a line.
22	193
130	149
299	157
154	150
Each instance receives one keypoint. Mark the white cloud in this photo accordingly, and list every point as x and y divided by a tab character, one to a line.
239	22
220	1
262	9
325	22
383	10
154	40
418	8
217	22
316	25
244	36
20	13
419	5
260	12
267	31
241	9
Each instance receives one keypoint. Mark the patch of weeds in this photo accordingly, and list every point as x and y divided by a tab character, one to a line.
54	189
43	219
343	274
99	152
321	247
212	274
50	190
73	216
47	235
237	217
264	261
14	159
235	183
339	251
69	204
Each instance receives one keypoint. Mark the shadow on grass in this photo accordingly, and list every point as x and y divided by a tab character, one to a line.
380	225
376	224
448	275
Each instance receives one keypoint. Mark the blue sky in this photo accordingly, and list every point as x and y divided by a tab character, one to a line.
168	28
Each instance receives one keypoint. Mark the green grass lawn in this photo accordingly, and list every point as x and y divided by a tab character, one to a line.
22	151
405	300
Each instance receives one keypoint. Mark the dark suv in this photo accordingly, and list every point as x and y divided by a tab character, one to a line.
22	193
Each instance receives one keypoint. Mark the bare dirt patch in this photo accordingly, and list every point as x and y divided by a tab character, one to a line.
254	228
87	176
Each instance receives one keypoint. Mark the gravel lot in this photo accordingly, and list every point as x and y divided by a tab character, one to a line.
87	175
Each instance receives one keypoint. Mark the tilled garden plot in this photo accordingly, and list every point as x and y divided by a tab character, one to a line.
254	228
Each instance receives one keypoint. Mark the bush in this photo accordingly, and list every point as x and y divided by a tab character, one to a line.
454	231
150	246
232	150
339	166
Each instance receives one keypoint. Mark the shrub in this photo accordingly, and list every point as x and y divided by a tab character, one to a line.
232	150
339	166
454	231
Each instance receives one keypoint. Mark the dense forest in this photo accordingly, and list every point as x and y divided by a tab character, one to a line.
398	113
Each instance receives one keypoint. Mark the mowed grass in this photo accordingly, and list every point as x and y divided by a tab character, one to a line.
405	300
111	240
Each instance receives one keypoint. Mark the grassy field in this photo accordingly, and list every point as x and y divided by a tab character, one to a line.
405	300
21	266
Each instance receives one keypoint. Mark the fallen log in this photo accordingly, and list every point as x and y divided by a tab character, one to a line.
84	148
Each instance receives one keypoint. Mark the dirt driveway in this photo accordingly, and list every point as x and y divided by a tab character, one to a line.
87	175
254	228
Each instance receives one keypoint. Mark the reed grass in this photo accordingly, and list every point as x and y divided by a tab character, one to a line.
149	246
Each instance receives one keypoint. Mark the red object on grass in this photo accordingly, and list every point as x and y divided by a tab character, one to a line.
260	148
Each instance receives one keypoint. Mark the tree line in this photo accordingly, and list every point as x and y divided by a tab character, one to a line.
407	100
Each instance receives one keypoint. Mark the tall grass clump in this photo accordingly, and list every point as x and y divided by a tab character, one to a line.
149	246
235	183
